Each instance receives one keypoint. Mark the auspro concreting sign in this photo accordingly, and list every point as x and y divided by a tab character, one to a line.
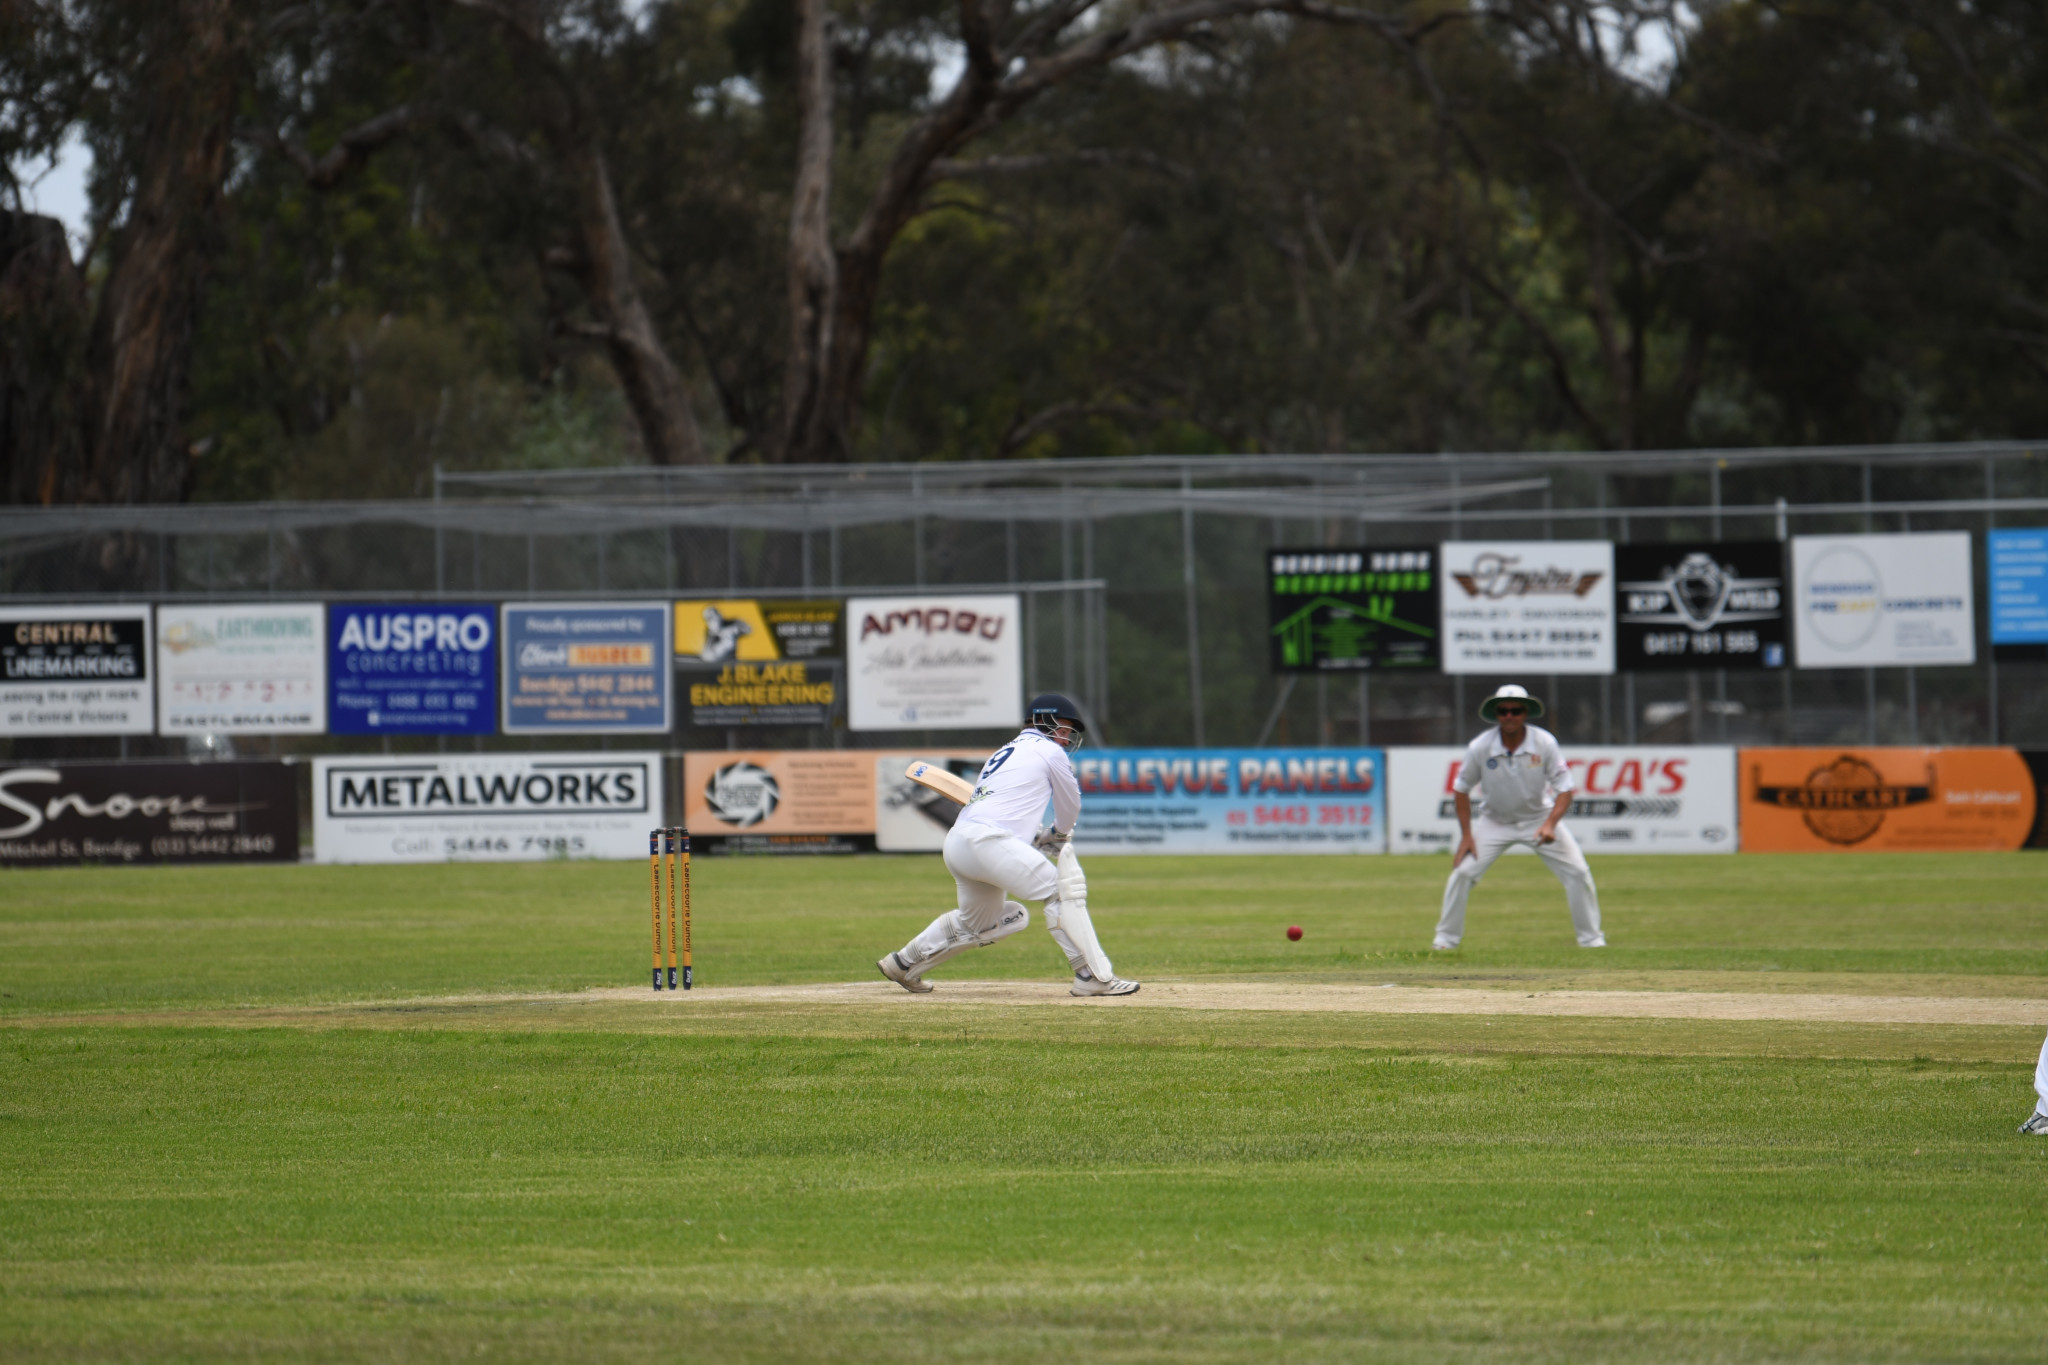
1700	605
76	671
259	668
1231	801
53	816
1349	610
431	808
412	668
587	668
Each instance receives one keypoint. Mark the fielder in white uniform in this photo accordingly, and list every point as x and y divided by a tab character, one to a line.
996	850
2037	1122
1524	790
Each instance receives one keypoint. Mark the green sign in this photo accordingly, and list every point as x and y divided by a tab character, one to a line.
1337	611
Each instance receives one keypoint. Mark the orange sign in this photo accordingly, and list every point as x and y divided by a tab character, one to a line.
1883	800
779	791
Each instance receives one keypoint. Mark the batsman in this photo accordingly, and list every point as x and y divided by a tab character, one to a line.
996	851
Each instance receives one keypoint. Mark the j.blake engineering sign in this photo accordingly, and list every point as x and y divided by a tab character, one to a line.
484	806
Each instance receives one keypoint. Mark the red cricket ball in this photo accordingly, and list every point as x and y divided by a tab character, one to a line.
1294	932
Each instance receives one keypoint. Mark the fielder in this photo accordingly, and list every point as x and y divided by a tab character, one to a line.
2037	1122
1524	791
996	850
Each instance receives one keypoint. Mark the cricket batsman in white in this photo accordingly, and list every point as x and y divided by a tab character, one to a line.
1524	789
996	850
2037	1122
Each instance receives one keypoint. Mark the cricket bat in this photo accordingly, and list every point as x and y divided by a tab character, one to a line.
936	777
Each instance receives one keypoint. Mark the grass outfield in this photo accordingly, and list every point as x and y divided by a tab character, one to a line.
337	1113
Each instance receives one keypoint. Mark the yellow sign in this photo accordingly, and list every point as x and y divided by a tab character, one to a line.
752	630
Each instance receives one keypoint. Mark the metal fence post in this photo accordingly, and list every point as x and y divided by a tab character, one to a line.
1187	576
1990	647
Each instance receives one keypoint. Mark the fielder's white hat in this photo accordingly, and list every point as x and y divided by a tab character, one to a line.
1510	692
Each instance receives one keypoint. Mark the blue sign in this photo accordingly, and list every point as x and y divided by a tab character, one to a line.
2019	587
1231	801
412	668
587	669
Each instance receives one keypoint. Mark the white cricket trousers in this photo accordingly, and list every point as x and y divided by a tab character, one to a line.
989	865
1563	856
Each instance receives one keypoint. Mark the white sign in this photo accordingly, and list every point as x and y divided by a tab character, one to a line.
934	663
1636	799
910	818
1528	606
1860	601
254	669
81	670
434	808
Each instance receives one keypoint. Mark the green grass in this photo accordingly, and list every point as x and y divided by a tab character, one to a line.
203	1155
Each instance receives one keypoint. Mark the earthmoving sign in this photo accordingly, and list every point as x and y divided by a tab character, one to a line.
1854	800
1528	606
259	668
759	661
1338	611
1631	799
1231	801
433	808
935	662
76	671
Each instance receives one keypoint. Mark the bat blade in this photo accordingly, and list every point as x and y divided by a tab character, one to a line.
936	777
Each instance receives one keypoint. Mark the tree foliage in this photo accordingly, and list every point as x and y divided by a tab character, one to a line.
337	242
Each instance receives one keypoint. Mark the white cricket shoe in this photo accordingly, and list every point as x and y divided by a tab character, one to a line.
1086	984
893	967
2036	1124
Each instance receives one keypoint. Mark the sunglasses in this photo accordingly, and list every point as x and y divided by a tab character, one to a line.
1510	711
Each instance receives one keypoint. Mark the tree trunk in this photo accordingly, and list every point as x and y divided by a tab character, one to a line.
140	346
43	321
812	416
654	386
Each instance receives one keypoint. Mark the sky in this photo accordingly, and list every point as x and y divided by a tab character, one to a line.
59	191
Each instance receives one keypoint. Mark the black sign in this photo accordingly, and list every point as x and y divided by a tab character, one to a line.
1700	606
759	661
1340	611
81	648
148	813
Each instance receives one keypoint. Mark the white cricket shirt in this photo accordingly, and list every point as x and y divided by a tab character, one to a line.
1017	781
1516	788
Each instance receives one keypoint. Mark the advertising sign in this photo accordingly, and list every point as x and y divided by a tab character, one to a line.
412	668
1528	606
148	813
587	668
749	661
75	671
1884	800
1336	611
934	663
436	808
1231	801
780	800
2019	592
1884	600
911	817
255	669
1631	799
1700	606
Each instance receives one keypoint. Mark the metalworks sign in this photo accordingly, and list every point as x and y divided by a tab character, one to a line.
148	813
433	808
1336	611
